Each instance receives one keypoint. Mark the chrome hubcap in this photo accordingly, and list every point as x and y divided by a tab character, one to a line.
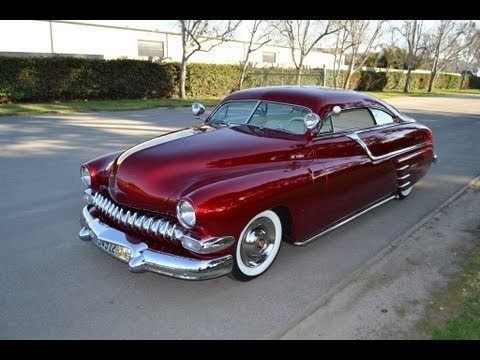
257	242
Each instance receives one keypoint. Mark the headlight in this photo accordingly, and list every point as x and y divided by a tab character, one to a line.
186	214
85	176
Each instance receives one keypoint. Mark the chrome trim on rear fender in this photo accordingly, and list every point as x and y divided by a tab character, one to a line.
354	136
141	258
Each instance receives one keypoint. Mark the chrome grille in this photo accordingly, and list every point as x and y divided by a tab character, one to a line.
154	226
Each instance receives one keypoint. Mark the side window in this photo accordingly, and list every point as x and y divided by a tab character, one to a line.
281	117
381	117
353	119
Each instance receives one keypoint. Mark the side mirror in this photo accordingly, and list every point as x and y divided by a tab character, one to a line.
311	120
336	110
198	109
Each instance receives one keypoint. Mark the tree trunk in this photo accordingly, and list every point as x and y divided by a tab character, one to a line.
406	88
433	75
348	78
462	81
346	84
430	83
242	74
299	74
183	78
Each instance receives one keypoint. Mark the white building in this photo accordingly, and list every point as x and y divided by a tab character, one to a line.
93	39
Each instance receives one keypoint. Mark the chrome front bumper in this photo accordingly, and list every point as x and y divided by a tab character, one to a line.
140	258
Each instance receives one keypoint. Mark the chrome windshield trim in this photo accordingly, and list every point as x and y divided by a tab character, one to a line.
207	121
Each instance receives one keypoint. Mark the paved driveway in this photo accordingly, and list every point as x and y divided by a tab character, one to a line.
54	286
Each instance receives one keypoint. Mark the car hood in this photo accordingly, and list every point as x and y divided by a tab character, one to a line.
155	174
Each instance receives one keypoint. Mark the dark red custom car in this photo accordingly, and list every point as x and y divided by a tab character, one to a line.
267	165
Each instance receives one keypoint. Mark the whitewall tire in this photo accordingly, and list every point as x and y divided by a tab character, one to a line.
257	246
402	194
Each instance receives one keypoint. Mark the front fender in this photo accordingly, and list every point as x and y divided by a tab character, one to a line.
98	169
225	207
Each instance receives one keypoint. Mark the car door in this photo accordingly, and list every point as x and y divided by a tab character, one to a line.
348	177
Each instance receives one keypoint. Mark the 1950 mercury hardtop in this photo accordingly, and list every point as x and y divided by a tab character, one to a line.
267	165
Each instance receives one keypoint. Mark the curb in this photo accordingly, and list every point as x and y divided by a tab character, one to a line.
323	300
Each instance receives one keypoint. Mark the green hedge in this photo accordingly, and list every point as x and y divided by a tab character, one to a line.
395	80
211	80
62	78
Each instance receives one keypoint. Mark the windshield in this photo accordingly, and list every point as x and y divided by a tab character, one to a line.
234	112
264	114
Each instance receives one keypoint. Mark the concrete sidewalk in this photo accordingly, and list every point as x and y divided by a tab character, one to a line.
388	298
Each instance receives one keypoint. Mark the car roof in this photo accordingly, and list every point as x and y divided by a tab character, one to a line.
319	99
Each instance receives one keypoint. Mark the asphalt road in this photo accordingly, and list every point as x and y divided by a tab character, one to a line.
52	285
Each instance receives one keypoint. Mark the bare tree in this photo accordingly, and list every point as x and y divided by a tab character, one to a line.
302	36
447	42
358	36
341	46
412	32
259	36
470	56
201	35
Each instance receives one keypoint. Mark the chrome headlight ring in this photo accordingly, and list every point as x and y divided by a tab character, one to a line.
186	214
85	176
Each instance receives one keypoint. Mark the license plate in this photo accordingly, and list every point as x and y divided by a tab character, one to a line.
106	246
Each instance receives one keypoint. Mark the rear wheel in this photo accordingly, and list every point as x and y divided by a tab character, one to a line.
403	193
257	246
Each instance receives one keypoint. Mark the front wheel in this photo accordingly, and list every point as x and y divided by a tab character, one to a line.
257	246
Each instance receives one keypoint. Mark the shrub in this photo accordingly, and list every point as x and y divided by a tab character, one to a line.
473	82
62	78
211	80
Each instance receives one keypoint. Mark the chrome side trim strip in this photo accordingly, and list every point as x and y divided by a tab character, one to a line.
403	168
354	136
345	221
403	177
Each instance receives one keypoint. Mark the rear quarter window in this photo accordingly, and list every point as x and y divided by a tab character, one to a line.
381	117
